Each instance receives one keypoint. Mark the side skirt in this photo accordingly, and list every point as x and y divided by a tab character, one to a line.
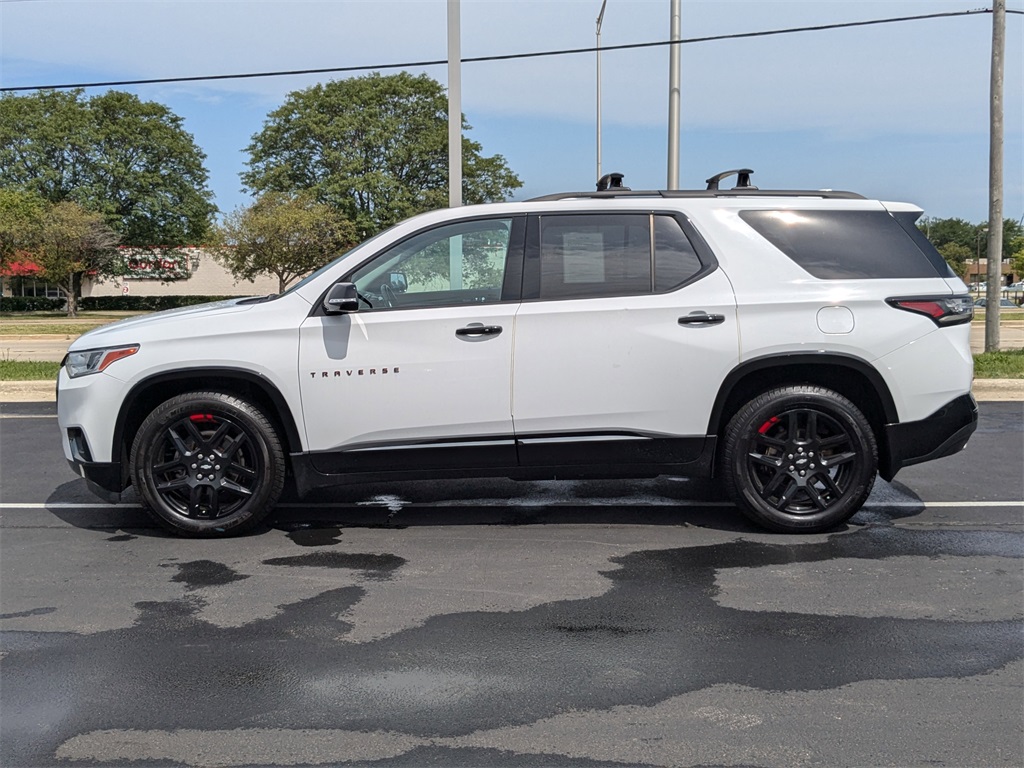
309	470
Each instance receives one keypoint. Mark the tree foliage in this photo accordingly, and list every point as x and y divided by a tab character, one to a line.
128	159
20	218
375	147
973	237
282	235
956	256
71	243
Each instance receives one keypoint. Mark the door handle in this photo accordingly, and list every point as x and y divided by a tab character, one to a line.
477	330
701	319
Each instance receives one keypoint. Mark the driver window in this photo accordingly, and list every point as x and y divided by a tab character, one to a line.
462	263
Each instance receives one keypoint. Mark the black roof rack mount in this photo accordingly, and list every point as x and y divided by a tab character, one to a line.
742	179
611	181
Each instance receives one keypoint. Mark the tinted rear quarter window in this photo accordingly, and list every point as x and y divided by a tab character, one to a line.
838	245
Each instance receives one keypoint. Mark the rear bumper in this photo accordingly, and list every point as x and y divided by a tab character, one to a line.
943	433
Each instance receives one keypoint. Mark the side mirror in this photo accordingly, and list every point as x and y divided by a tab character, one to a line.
398	282
341	298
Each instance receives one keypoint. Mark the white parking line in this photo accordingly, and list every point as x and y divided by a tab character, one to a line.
512	503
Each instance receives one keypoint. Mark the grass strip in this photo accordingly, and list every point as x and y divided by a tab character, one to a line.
28	370
70	330
1006	364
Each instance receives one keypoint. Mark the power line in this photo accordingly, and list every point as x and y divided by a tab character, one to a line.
503	57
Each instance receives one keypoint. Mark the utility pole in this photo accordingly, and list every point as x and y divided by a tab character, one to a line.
995	179
454	138
454	106
674	79
600	18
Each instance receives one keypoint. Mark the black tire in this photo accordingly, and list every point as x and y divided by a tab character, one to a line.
799	459
207	464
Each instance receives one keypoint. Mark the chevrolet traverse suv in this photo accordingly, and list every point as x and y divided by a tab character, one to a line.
792	343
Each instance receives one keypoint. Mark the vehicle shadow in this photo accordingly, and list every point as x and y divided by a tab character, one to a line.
661	501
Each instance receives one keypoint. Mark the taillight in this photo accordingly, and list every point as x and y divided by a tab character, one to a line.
943	310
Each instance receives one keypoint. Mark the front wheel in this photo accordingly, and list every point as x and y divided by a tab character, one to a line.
207	464
799	459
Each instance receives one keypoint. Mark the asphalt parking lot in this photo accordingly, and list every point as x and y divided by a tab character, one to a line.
516	624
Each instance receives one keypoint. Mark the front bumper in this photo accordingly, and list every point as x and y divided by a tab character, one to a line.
103	479
943	433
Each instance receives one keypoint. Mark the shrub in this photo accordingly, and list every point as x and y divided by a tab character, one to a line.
144	303
30	304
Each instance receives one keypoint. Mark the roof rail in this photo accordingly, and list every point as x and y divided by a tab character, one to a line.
827	194
611	186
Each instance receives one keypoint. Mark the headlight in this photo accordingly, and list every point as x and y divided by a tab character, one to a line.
95	360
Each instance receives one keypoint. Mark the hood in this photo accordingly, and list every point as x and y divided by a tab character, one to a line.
120	330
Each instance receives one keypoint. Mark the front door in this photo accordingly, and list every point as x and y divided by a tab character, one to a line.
419	377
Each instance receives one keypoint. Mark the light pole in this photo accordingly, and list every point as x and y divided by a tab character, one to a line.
977	257
995	177
600	18
454	105
674	93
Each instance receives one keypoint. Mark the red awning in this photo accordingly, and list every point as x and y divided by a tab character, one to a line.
21	268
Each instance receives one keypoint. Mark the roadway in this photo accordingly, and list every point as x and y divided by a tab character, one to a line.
503	624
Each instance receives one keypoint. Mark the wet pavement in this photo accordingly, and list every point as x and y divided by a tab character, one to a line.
516	624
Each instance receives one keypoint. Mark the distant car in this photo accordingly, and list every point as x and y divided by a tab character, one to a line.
1002	303
1013	287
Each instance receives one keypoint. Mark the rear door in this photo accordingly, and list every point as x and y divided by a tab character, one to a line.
626	331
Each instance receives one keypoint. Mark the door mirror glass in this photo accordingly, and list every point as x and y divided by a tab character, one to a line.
398	282
341	298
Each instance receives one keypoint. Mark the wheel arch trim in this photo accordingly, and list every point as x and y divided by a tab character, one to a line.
205	377
804	360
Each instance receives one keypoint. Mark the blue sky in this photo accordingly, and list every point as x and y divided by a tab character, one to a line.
897	111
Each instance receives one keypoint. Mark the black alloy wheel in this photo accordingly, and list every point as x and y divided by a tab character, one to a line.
799	459
207	464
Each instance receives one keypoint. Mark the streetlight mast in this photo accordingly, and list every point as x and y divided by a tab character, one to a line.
995	176
454	106
674	93
600	18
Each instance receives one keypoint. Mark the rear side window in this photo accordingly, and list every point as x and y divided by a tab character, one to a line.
836	245
592	255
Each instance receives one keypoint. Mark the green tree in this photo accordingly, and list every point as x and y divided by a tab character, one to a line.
375	147
128	159
20	218
282	235
1013	245
972	236
943	231
71	243
956	255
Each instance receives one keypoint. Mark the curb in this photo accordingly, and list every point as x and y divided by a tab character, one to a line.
46	391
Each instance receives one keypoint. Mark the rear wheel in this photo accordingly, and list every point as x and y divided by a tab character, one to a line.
799	459
208	464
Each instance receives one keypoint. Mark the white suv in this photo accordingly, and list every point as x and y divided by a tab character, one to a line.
791	343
